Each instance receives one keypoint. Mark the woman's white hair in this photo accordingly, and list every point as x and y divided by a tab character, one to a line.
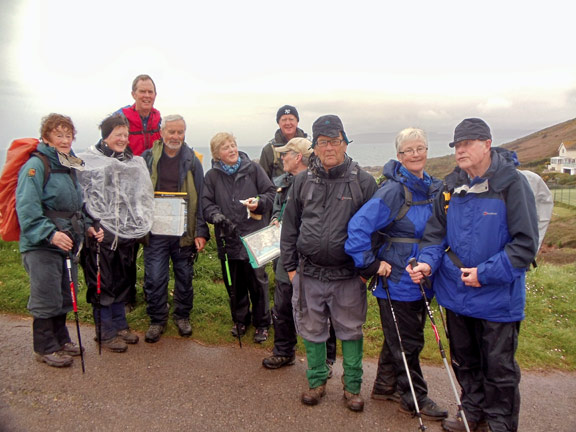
410	134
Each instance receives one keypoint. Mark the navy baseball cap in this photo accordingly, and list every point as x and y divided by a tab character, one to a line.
328	125
471	129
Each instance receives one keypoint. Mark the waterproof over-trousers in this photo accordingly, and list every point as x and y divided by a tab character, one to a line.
249	285
391	375
483	361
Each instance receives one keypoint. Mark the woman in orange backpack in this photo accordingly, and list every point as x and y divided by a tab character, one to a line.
52	226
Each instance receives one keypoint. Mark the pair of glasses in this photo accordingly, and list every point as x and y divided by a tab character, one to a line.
333	142
411	151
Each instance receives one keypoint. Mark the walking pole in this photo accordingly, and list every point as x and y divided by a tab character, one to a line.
417	408
413	263
98	290
232	288
75	307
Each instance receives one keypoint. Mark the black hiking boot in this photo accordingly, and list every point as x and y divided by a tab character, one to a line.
184	327
392	396
154	333
428	409
261	335
276	361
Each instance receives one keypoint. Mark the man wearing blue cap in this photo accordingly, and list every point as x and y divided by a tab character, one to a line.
478	243
327	287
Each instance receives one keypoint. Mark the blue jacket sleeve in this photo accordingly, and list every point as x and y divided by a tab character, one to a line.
433	241
373	216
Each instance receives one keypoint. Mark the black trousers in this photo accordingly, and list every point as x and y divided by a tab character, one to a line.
49	334
391	375
249	285
483	361
283	319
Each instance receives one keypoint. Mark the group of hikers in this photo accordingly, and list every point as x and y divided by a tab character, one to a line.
468	240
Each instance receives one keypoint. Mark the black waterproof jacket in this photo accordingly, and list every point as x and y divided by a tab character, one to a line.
315	226
222	194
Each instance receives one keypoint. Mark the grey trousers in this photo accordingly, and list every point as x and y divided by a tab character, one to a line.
316	303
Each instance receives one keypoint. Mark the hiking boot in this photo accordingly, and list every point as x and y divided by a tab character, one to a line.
127	336
116	344
184	327
330	365
393	396
154	332
313	395
354	402
428	409
241	330
261	335
276	361
55	359
71	349
457	425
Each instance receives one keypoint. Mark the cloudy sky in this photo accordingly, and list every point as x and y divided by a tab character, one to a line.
228	65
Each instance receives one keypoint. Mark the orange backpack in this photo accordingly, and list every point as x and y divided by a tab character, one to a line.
18	154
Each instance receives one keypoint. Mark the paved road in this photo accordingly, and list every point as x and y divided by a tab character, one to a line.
179	384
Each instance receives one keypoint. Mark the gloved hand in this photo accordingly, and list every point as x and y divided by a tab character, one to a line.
218	218
228	228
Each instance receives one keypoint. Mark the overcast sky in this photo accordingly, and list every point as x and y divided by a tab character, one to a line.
229	65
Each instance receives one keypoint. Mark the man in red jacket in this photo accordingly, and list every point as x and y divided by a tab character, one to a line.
144	119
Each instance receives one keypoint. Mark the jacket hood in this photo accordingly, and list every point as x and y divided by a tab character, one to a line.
392	171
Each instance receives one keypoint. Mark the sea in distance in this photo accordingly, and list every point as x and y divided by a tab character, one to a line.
372	150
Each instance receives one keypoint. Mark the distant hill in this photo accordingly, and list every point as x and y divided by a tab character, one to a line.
536	147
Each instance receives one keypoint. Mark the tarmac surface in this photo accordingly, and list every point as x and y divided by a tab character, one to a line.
179	384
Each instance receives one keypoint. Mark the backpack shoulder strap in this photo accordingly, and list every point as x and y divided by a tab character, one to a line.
46	164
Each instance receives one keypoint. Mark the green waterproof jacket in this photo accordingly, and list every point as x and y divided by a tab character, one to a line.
191	181
35	201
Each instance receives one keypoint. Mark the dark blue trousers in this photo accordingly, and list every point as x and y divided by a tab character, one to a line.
157	255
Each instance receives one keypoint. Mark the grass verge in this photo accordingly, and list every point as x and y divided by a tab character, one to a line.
546	337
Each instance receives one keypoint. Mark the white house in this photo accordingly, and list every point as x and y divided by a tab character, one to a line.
565	162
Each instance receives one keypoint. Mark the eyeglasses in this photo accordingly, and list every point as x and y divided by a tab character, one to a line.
411	151
332	142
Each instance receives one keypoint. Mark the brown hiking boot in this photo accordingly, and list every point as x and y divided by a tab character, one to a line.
354	402
313	395
71	349
55	359
116	344
128	336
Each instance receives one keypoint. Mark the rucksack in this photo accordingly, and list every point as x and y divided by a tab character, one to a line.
20	151
408	202
307	189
